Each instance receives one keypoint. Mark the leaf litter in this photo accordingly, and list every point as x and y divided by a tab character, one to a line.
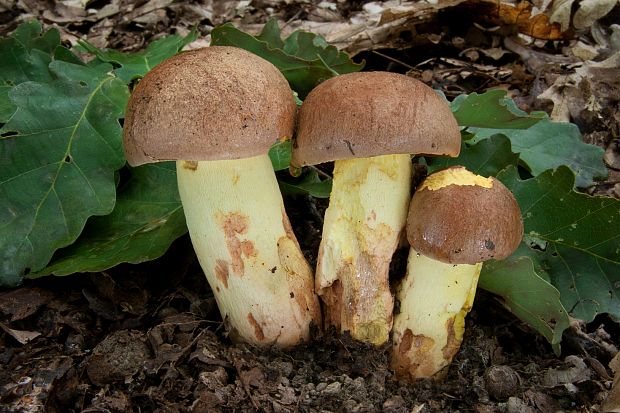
178	357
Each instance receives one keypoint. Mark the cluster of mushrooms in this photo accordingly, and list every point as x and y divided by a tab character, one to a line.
218	110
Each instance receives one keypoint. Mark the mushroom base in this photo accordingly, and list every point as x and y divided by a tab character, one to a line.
246	247
366	215
434	299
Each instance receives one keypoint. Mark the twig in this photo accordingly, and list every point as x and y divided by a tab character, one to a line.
394	60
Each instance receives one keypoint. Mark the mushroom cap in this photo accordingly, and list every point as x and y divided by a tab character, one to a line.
208	104
366	114
458	217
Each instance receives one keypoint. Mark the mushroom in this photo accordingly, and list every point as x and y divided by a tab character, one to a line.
456	221
217	111
369	124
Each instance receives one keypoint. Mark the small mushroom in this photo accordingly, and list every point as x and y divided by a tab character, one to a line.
456	221
369	124
217	111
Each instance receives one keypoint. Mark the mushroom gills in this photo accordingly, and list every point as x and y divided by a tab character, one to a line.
366	215
434	299
242	237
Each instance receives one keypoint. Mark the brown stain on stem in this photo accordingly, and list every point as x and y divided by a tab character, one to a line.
221	272
410	357
234	224
299	274
359	300
258	330
288	229
191	165
452	343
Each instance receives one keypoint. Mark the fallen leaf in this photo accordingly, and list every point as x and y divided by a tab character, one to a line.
538	26
571	96
6	5
576	373
494	53
584	51
34	391
542	402
20	335
612	402
417	408
560	13
253	377
118	357
149	7
591	10
23	302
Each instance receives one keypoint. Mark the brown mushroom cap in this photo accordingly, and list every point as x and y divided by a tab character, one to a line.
366	114
468	221
207	104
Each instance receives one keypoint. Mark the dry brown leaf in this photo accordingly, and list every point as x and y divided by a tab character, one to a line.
584	89
81	4
560	13
6	5
108	10
538	26
614	38
23	302
494	53
612	402
576	373
147	8
66	14
21	336
584	51
591	10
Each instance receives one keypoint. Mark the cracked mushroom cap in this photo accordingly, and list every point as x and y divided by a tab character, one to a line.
366	114
458	217
208	104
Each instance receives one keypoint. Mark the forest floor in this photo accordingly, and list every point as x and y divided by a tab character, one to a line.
149	337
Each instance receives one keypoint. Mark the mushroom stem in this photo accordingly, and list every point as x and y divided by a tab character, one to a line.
244	242
366	215
434	299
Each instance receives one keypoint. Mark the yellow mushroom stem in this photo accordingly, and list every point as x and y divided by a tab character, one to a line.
366	215
246	247
428	330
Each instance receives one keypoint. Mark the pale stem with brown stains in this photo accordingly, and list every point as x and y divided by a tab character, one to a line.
434	299
366	215
261	280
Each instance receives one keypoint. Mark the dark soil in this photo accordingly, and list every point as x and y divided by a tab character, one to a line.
149	337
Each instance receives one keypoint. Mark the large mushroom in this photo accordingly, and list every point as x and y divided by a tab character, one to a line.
457	220
217	111
369	124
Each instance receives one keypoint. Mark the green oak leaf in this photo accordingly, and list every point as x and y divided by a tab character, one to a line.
147	217
528	296
485	158
26	55
130	66
492	109
308	184
548	145
58	155
305	59
280	155
574	239
271	34
309	46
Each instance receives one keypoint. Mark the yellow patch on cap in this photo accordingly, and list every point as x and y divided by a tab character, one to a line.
454	176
